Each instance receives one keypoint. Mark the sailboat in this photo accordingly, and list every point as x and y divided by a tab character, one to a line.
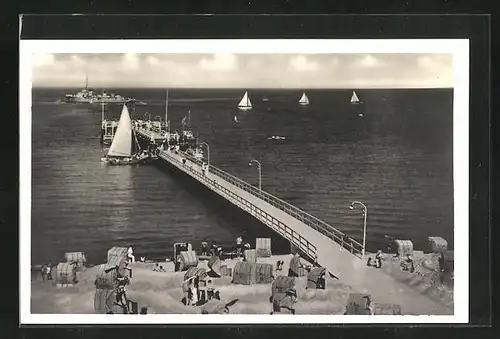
236	119
355	99
245	103
304	100
125	149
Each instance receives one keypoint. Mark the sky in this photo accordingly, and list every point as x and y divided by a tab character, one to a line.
302	71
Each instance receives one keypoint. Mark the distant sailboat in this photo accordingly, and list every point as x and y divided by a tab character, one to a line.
125	149
355	99
245	103
304	100
236	119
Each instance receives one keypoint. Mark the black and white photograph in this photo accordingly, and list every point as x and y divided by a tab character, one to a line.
272	181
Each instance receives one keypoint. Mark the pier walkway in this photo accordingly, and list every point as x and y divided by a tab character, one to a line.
315	238
154	134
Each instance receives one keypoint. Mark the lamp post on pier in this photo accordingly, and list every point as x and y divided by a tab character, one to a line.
259	168
365	214
208	152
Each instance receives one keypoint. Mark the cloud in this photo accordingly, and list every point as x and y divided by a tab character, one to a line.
334	62
437	67
43	59
78	62
153	61
244	70
131	61
219	62
302	64
428	62
368	61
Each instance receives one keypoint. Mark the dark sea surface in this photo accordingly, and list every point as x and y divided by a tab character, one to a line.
397	159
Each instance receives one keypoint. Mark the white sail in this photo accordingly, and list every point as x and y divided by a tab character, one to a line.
245	102
304	100
354	98
122	142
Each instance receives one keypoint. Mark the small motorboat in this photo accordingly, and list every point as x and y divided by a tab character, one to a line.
276	137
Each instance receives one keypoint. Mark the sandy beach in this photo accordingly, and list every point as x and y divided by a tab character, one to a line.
161	293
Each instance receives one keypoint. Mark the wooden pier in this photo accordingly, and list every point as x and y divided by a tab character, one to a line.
319	241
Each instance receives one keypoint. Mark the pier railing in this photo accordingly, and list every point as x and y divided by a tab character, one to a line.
319	225
295	238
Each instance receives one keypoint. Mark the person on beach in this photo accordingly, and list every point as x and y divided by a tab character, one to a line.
204	248
196	290
291	272
239	246
186	290
48	271
193	293
210	289
177	263
43	272
130	254
378	259
156	268
217	295
369	306
322	281
389	240
246	247
129	269
121	295
213	249
408	264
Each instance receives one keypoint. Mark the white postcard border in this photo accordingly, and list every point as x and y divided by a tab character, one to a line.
458	47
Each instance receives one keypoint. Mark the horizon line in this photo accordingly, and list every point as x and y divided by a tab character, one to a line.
236	88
